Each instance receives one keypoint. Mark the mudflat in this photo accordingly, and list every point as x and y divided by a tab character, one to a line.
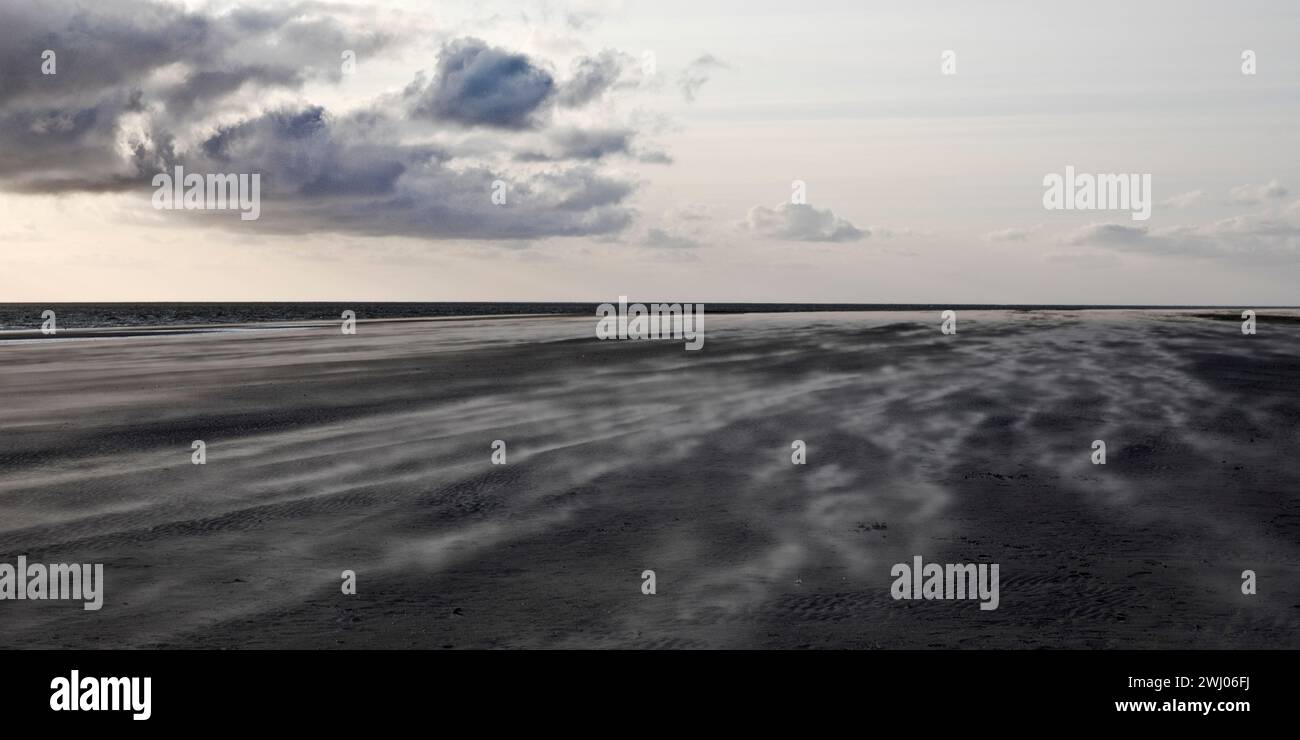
374	453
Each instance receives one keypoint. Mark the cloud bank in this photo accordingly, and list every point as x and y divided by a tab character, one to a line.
141	87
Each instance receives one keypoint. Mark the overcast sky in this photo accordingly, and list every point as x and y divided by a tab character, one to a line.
649	150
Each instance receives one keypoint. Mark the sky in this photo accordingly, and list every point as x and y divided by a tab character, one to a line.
650	150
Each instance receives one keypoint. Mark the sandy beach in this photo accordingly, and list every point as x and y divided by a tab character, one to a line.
372	453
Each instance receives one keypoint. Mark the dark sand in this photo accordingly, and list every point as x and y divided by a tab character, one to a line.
372	453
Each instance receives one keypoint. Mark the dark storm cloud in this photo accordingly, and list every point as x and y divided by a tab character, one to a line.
204	87
67	131
303	153
53	148
585	144
434	201
98	46
140	86
326	174
479	85
119	43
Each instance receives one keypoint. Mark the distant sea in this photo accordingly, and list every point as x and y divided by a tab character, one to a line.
19	316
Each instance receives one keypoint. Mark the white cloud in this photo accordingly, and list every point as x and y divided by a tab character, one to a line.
1249	195
1255	237
1184	200
696	74
1013	234
801	222
681	227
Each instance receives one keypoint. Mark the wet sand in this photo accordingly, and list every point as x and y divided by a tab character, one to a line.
372	453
